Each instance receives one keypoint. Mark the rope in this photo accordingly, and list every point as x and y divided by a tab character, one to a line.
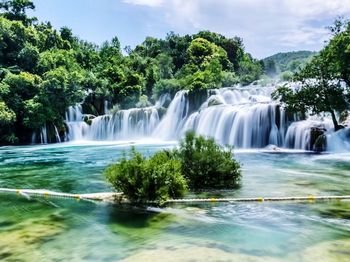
109	196
118	197
260	199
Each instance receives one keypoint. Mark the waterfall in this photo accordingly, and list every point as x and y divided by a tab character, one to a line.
105	107
123	125
174	119
43	135
75	123
339	141
57	136
241	117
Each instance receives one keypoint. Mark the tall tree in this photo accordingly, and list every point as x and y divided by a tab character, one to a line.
16	10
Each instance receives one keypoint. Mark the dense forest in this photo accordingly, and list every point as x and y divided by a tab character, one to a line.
43	70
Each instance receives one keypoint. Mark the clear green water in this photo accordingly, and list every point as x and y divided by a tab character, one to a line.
69	230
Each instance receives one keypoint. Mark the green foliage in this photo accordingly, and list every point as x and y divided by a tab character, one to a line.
7	116
320	91
16	10
155	179
286	76
7	120
166	86
28	58
337	53
43	70
206	165
284	62
143	102
250	69
229	79
199	163
321	79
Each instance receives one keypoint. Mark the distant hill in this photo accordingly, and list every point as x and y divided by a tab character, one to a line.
286	62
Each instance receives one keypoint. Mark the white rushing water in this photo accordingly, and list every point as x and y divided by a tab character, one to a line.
242	117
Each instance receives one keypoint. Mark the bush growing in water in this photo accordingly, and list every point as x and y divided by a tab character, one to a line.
155	179
207	165
199	163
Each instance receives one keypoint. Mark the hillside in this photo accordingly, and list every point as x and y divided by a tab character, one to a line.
286	62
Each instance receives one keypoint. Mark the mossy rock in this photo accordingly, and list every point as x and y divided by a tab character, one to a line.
24	239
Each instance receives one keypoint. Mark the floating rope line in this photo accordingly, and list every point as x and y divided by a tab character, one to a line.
260	199
118	197
46	193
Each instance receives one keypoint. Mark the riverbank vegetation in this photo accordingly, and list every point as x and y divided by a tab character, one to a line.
44	70
198	163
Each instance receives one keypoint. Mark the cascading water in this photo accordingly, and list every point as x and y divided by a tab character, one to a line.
43	136
242	117
77	128
239	118
174	119
124	124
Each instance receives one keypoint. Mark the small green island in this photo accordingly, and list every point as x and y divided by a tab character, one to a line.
198	164
174	130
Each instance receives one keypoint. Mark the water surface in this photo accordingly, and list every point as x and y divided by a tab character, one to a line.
48	229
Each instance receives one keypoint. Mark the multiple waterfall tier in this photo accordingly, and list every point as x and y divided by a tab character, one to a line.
241	117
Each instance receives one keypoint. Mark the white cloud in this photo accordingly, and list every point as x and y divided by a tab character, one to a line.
264	25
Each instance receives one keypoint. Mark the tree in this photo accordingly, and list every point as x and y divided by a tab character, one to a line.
337	52
320	91
16	10
207	165
7	116
165	66
141	180
43	71
7	120
322	88
28	58
199	163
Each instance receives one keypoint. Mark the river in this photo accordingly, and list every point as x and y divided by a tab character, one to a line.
46	229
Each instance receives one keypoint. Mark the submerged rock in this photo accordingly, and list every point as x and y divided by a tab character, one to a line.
192	254
331	251
22	241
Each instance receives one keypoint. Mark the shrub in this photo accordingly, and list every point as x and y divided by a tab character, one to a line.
155	179
199	163
207	165
166	86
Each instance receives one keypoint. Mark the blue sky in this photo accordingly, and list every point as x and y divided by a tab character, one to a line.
266	26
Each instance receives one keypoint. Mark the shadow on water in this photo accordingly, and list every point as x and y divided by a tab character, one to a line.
133	217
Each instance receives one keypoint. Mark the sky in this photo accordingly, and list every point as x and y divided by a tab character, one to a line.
266	26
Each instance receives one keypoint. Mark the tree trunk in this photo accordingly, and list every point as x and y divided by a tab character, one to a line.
335	121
